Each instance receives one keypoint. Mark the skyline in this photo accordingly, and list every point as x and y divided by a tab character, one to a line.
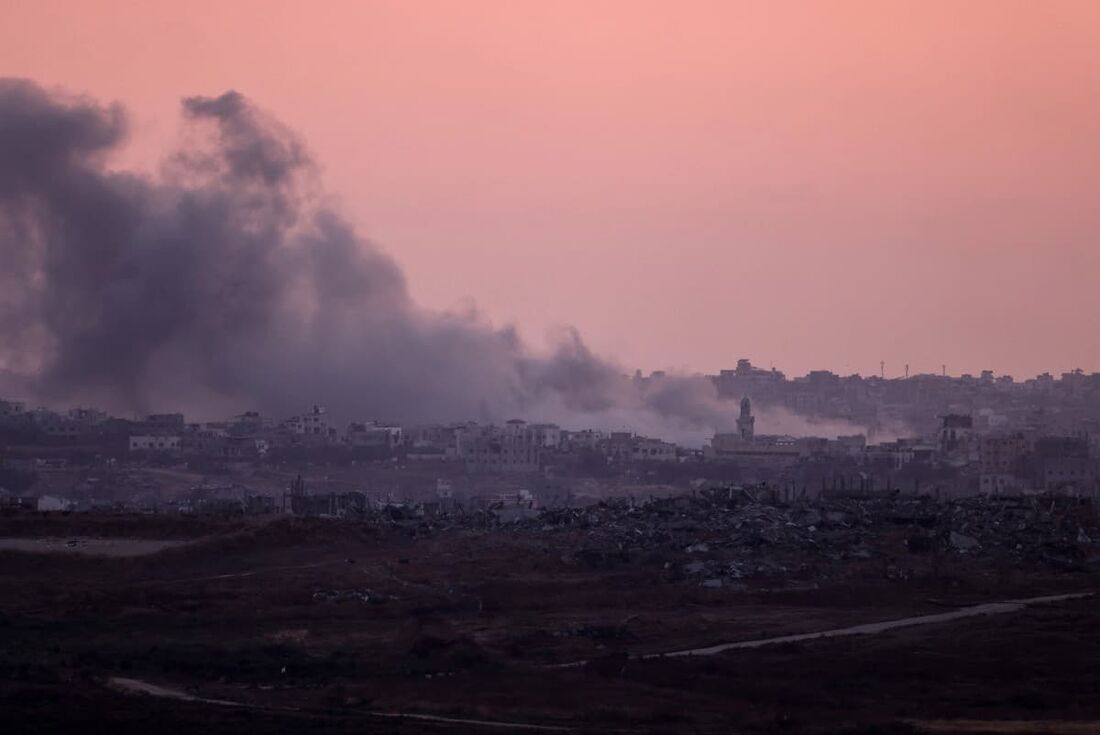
820	187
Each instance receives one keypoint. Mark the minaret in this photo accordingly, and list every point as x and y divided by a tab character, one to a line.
746	422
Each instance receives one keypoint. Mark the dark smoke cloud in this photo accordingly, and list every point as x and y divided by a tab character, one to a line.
225	284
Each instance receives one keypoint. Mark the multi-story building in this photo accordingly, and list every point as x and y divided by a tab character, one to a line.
548	436
170	422
497	449
1063	464
11	408
644	449
312	426
373	435
955	434
1003	453
87	416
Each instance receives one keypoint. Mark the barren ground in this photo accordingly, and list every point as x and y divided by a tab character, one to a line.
323	626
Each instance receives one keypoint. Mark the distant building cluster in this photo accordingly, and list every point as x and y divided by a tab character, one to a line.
958	436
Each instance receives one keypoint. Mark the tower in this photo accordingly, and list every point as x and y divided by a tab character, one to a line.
746	422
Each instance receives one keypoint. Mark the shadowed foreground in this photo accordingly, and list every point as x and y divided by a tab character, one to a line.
333	627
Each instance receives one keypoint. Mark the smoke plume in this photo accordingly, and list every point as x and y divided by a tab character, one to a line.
225	283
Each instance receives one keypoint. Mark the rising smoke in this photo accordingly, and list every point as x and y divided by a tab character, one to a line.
225	283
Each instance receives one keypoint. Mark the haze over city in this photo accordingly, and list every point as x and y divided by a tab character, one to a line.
818	186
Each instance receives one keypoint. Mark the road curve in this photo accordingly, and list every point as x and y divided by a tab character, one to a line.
988	608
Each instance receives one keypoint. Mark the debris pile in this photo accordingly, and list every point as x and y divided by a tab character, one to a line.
719	537
345	596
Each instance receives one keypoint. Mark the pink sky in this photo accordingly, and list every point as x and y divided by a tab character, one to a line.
810	185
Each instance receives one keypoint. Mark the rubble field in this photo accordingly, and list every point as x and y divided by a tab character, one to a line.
724	537
314	625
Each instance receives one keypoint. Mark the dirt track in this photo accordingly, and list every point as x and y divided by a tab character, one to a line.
137	686
989	608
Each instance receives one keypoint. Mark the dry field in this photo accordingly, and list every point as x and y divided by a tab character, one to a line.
315	626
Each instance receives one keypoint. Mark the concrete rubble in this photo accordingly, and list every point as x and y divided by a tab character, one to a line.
727	536
732	534
346	596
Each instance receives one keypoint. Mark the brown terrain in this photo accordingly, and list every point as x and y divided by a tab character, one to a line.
311	625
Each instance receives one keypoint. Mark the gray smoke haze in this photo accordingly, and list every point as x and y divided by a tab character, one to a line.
224	283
